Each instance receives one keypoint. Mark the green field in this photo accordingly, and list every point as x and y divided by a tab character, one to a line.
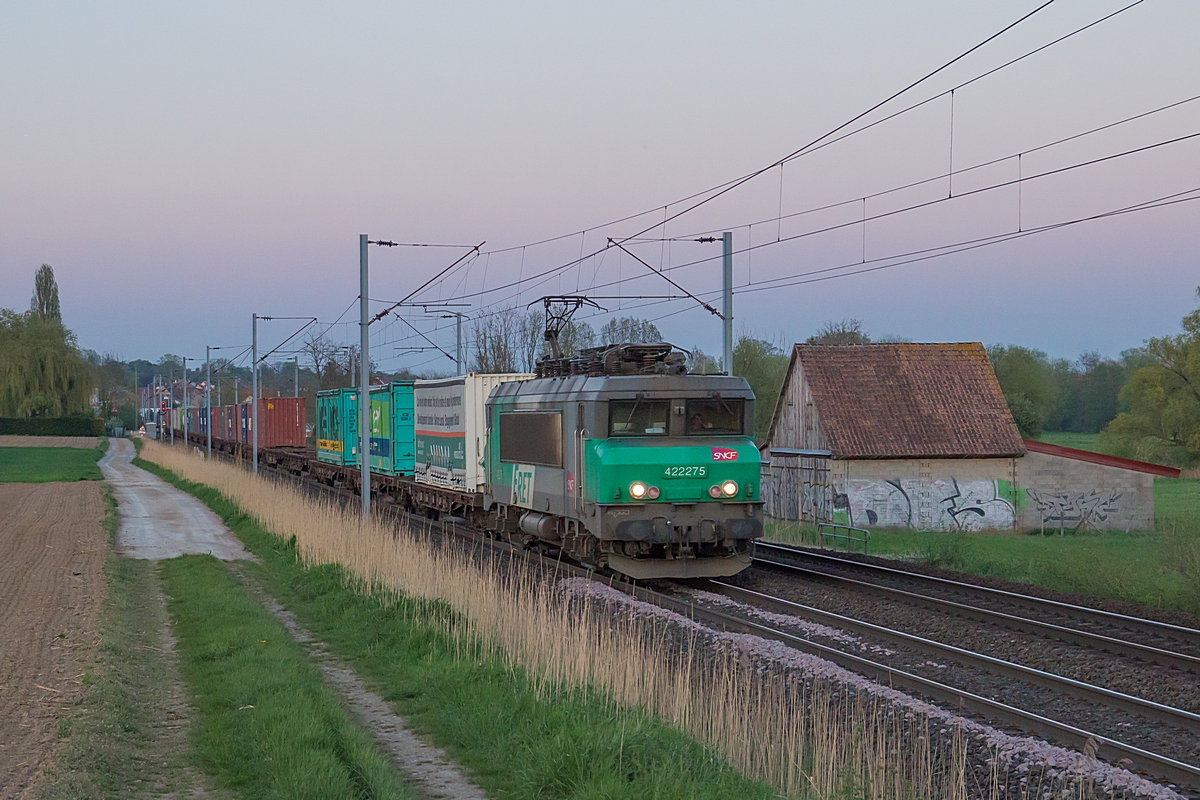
1080	441
1155	568
515	739
45	464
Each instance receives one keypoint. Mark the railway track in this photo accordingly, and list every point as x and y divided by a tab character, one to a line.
1175	643
994	711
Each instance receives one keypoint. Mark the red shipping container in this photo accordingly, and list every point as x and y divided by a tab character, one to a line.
280	422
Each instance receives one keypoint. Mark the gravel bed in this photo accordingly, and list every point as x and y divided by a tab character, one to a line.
998	763
1166	685
1116	724
846	566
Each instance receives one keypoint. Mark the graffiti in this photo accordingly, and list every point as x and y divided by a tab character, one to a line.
976	505
959	505
1075	510
908	503
815	501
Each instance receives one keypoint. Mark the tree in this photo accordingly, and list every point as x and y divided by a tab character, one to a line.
1024	377
42	372
1163	398
700	363
496	340
848	331
764	366
320	352
531	338
629	330
44	304
1027	415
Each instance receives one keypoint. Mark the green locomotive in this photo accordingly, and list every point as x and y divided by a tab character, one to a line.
617	457
632	465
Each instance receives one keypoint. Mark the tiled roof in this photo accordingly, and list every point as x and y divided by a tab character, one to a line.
909	401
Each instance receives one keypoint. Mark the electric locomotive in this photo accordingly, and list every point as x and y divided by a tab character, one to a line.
625	461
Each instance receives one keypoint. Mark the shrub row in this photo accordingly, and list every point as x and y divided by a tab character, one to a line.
51	426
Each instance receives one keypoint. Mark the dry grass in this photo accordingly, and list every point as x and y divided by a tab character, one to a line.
806	737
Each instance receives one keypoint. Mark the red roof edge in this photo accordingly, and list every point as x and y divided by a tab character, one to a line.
1100	458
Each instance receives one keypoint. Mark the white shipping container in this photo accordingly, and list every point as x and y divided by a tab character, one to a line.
451	429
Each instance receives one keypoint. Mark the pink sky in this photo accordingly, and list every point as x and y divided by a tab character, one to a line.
183	167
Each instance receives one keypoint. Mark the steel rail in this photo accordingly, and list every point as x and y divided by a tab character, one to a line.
1098	641
1165	628
1082	691
1159	766
1147	762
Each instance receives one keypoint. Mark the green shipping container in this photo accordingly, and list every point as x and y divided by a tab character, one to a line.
337	426
392	434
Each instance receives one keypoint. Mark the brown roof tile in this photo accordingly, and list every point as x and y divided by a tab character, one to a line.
909	401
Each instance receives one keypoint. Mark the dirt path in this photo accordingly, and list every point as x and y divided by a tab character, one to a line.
157	520
52	550
80	442
427	768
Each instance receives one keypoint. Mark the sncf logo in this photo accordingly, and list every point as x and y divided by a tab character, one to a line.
723	454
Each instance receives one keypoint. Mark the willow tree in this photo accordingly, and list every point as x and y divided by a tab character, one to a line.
42	372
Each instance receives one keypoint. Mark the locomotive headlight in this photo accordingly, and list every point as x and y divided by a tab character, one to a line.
637	490
729	488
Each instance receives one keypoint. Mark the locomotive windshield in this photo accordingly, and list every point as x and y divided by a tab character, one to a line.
638	417
714	417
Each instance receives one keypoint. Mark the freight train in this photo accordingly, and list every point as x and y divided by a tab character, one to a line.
617	458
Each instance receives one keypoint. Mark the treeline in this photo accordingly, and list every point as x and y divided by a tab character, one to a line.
1045	394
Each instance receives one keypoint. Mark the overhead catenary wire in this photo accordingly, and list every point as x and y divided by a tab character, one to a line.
721	189
935	201
707	307
311	321
703	235
411	294
845	270
926	254
523	281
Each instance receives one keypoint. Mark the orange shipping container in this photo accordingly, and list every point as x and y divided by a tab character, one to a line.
281	422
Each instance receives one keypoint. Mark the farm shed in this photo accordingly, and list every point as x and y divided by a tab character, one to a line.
920	436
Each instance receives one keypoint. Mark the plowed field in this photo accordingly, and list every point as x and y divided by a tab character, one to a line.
52	549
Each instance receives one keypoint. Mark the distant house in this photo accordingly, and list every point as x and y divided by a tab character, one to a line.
920	436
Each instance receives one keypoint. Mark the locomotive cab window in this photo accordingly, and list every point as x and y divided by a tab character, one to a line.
638	417
714	417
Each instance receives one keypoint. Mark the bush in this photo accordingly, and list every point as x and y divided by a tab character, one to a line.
51	426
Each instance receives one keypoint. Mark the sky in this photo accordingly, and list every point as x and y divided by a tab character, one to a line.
184	166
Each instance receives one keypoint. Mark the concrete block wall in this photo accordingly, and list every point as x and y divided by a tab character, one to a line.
939	494
1067	494
1036	492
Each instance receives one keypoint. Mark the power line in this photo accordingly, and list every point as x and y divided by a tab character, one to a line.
409	296
700	236
936	201
724	188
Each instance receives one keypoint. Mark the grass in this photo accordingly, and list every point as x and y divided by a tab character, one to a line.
1154	568
543	695
265	726
1135	567
515	740
46	464
1079	441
